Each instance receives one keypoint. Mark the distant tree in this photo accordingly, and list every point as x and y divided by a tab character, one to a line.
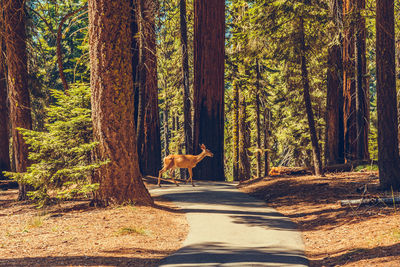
148	128
112	103
307	101
235	130
4	138
243	144
334	135
20	111
209	56
187	107
388	149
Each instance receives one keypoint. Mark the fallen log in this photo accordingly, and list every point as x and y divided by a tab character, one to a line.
370	201
153	179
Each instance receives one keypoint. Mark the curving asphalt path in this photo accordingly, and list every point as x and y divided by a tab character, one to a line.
230	228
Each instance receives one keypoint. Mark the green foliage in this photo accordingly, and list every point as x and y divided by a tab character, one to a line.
61	154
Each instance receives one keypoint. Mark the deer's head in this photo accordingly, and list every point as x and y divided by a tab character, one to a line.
206	151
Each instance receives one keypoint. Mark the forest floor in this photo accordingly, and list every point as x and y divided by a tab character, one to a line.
336	235
75	234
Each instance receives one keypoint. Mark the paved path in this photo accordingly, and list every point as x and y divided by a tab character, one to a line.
230	228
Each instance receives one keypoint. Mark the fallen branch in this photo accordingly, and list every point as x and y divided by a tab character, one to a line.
370	201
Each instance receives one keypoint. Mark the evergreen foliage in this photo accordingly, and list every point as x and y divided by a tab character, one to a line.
61	154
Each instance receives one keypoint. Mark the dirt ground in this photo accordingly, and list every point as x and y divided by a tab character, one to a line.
74	234
336	235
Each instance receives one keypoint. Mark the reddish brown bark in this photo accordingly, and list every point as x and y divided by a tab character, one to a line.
4	138
388	149
20	111
209	53
112	103
149	144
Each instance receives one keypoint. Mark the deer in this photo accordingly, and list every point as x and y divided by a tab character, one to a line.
172	162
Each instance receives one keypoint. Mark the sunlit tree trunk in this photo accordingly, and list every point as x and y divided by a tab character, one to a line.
187	110
388	149
18	94
267	119
4	140
235	130
307	101
112	103
244	164
209	54
349	84
258	121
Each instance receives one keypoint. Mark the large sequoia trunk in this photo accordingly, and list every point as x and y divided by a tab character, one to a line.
388	149
20	111
112	104
149	143
307	101
187	110
209	45
4	140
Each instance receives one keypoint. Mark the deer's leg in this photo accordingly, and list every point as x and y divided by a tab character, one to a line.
160	174
191	175
173	176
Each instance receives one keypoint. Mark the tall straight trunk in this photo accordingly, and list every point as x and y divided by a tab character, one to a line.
334	135
388	149
244	164
349	85
187	110
18	94
4	137
267	130
149	146
258	122
112	104
362	99
209	55
235	130
166	131
307	101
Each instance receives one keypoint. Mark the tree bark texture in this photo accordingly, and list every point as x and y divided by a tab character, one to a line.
388	149
4	137
112	104
334	131
209	45
187	107
362	95
18	94
244	163
334	145
149	143
349	85
307	101
235	130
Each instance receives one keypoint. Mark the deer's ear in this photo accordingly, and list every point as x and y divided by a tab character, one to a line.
202	146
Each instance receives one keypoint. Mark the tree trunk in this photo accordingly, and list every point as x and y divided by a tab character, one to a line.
334	135
4	137
388	149
187	110
149	145
209	54
166	131
362	106
18	94
349	85
235	130
307	100
112	104
267	130
258	122
244	164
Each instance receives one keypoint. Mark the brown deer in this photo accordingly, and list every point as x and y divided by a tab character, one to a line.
172	162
